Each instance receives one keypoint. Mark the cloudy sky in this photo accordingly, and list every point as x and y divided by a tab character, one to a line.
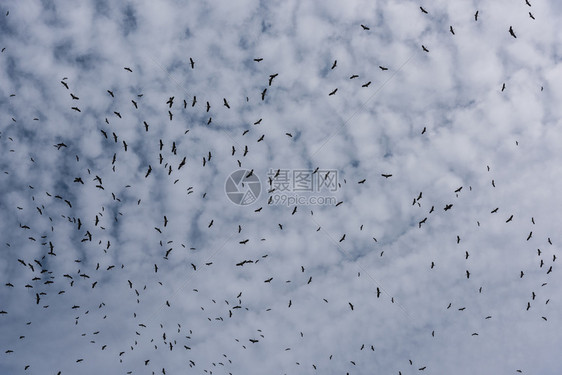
121	122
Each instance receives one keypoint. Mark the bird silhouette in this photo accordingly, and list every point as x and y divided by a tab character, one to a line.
512	32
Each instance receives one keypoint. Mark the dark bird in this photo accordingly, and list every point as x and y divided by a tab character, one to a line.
530	235
111	93
383	68
192	63
271	78
263	94
334	64
423	131
531	15
378	292
351	306
333	92
354	76
258	60
128	69
74	97
148	172
451	30
510	218
494	210
362	181
503	87
467	274
476	16
423	10
226	103
343	238
76	109
171	115
365	27
117	114
422	222
527	2
268	280
64	84
448	207
512	32
244	242
424	48
386	175
366	84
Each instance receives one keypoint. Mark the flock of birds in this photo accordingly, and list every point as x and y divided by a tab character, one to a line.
47	288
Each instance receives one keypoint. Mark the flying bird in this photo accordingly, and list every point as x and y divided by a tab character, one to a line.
423	10
512	32
334	64
451	30
476	16
333	92
386	175
424	48
271	78
365	27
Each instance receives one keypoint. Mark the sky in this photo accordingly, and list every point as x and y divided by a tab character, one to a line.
280	187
